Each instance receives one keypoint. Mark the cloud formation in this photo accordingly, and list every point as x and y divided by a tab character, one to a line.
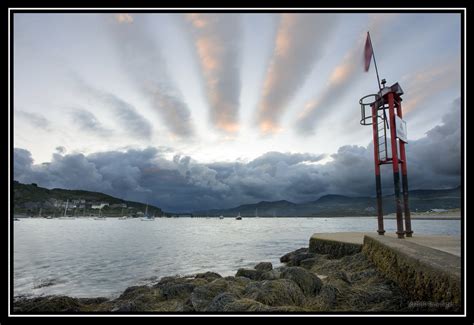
88	122
341	79
217	39
143	62
299	42
182	184
35	119
130	120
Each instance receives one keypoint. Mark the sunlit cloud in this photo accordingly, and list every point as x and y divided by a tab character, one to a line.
299	42
140	55
124	18
429	83
217	41
340	80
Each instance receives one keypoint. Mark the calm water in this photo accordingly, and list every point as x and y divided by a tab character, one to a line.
88	258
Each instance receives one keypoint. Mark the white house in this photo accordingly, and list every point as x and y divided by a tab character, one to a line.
99	206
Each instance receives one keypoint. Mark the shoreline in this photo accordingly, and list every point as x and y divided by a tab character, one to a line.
308	282
422	216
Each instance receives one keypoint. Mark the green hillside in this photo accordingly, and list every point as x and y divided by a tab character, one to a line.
30	199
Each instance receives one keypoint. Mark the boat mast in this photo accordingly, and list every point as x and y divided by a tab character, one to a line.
65	209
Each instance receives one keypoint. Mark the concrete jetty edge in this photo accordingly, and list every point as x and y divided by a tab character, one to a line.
427	275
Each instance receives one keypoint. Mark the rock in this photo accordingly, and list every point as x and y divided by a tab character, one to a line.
208	276
48	304
173	290
328	295
172	305
248	273
246	305
308	263
264	266
294	258
221	300
279	292
308	282
270	275
133	292
286	258
138	298
202	296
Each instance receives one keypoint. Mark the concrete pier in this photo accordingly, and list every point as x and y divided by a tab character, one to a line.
427	268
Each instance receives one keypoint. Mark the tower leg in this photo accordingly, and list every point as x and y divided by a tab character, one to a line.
406	206
396	173
378	183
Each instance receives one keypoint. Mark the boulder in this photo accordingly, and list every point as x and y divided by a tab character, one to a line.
264	266
202	296
308	282
246	305
270	275
47	304
248	273
221	300
281	292
208	276
172	290
294	258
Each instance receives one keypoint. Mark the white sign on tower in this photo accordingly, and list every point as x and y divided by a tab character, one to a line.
401	127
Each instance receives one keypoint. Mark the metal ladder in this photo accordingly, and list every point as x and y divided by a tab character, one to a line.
382	139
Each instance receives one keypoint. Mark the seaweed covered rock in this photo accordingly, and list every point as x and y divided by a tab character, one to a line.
264	266
246	305
294	258
249	273
308	282
138	298
47	304
279	292
208	276
202	296
221	301
270	275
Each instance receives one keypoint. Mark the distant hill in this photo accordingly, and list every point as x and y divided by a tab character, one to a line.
30	198
339	205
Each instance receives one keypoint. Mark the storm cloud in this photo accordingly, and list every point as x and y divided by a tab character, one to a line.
217	39
141	58
299	42
183	184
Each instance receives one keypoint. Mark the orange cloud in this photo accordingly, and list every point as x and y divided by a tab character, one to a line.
124	18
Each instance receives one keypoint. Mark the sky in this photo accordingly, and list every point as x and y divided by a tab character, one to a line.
192	111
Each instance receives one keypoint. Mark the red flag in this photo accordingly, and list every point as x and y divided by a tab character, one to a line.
368	52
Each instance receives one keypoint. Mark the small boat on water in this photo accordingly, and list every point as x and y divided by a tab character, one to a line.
122	216
221	217
147	217
239	217
65	217
100	217
48	217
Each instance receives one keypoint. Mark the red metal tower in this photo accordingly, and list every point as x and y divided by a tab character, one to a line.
373	112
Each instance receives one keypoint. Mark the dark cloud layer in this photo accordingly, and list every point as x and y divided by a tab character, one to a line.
182	184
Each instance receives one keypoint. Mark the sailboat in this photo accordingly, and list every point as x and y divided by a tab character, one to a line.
100	217
147	217
65	217
122	216
256	213
221	217
239	217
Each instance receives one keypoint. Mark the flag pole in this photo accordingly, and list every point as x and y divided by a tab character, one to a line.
375	62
